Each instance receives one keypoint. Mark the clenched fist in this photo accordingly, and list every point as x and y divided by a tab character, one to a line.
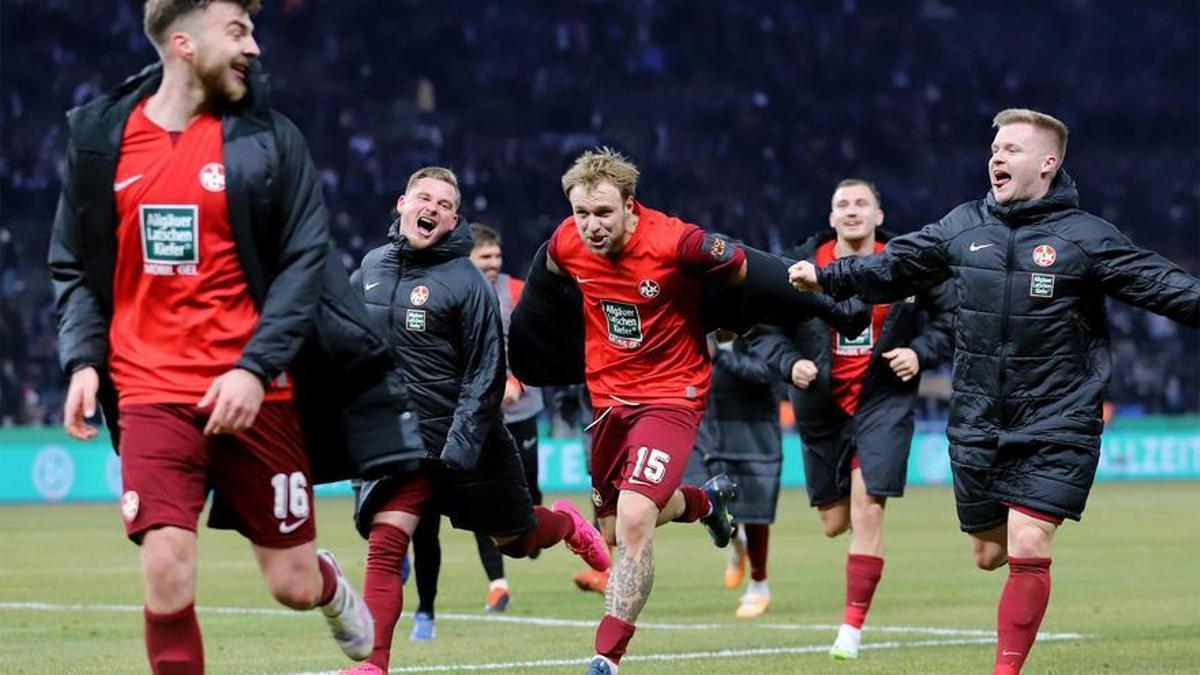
803	373
803	277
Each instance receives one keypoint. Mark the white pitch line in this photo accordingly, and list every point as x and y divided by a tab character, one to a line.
691	656
548	621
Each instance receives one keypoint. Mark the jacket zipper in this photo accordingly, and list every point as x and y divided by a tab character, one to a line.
1008	274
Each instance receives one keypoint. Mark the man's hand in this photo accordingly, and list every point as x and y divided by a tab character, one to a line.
235	398
904	363
81	403
803	373
512	391
803	277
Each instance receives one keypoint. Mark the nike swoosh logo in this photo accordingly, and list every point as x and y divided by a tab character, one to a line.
979	247
528	443
370	286
636	481
581	280
117	187
288	528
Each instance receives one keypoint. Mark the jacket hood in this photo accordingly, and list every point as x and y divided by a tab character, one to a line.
100	123
456	244
1062	197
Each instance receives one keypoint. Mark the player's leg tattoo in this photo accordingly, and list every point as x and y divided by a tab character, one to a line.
631	580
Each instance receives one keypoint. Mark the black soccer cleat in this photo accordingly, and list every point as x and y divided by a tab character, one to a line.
719	522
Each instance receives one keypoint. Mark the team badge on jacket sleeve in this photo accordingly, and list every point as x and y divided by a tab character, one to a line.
1044	255
212	177
419	296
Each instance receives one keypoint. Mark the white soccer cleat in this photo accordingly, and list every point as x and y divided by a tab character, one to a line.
845	647
348	617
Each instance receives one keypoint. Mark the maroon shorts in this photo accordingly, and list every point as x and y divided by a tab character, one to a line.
412	493
643	449
1035	514
259	478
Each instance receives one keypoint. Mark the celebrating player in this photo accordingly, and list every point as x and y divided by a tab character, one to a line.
188	260
853	396
1032	358
647	371
443	321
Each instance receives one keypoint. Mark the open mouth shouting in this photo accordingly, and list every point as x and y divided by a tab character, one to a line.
1000	178
426	225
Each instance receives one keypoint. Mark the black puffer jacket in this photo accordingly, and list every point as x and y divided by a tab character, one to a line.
442	322
310	321
1032	353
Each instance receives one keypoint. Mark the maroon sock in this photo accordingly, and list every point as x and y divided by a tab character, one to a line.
173	642
695	504
328	581
612	637
757	543
552	527
382	589
862	576
1022	606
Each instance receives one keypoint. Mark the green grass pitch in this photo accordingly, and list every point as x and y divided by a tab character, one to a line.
1126	598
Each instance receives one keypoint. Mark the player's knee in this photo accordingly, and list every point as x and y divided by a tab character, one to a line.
834	523
1029	542
169	577
867	515
294	592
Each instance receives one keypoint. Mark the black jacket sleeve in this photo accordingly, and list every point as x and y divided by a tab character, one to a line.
908	265
82	326
934	345
291	301
484	372
1141	277
749	365
778	349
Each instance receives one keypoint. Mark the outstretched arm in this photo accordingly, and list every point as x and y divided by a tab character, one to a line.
1142	277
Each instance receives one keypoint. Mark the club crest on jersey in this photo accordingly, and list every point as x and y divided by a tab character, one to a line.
419	296
130	503
624	324
649	288
597	500
1044	255
212	177
858	345
170	238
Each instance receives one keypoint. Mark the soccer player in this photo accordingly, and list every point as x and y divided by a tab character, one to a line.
647	367
1032	358
521	404
854	395
740	437
188	257
443	322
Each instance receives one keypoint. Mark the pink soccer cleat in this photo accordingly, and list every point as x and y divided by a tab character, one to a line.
586	542
363	669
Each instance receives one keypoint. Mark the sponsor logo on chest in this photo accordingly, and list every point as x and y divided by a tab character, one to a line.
414	320
1041	285
170	238
624	324
858	345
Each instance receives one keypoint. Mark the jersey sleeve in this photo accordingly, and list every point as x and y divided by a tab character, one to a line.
706	253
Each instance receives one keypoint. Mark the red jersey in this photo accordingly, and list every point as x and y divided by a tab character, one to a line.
644	340
851	355
182	310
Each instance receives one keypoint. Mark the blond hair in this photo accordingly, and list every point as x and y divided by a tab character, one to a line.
603	164
437	173
1039	120
159	15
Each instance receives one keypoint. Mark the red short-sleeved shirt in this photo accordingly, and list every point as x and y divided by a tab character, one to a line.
182	311
645	342
851	355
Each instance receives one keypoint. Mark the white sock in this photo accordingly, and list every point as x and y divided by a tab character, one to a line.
499	583
758	588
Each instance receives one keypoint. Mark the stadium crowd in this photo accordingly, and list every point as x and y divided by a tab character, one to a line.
506	93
